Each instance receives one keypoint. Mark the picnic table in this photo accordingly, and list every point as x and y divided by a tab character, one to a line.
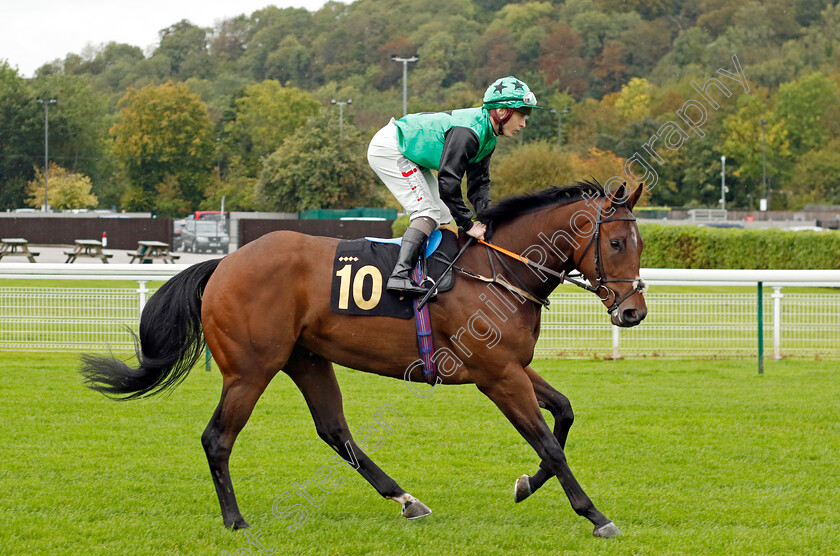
16	247
87	248
148	251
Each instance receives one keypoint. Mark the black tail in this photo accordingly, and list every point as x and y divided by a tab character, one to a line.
170	341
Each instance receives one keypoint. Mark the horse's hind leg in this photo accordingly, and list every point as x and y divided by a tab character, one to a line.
561	409
315	378
239	397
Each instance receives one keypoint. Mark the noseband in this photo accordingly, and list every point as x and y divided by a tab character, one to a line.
595	238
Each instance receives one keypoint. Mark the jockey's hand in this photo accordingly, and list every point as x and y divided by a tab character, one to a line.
477	231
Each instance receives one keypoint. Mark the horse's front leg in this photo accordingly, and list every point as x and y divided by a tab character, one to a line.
561	409
513	394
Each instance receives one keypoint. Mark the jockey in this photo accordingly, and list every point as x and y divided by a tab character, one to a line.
454	143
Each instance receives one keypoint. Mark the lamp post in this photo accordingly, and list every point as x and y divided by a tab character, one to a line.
765	202
341	114
723	182
46	103
405	62
559	124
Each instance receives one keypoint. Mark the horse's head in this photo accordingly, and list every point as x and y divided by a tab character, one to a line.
610	256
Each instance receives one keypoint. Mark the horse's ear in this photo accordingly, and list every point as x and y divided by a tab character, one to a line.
620	196
617	199
634	198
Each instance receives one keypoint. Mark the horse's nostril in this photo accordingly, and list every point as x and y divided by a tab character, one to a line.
632	316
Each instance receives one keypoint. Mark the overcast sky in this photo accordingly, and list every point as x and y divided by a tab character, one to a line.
34	32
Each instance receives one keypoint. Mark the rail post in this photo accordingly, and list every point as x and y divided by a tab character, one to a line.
616	341
142	291
761	328
777	321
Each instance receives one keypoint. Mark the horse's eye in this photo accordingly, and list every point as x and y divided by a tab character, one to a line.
615	244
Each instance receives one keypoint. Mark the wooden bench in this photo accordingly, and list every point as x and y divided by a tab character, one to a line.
16	247
87	248
148	251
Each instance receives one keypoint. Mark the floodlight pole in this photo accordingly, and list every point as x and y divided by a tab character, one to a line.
723	182
405	62
341	114
764	163
46	103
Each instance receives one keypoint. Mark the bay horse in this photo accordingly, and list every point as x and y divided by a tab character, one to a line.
266	308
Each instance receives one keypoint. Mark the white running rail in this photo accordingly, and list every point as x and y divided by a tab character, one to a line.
720	319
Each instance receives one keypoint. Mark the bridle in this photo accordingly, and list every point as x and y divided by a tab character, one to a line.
638	284
577	279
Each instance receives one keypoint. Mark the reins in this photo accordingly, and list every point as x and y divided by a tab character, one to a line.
523	291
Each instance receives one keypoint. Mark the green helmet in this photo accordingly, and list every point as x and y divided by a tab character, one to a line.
509	92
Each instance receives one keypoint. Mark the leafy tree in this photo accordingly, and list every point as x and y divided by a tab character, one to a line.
561	62
316	168
816	177
78	126
266	114
646	43
610	66
227	42
747	146
804	105
634	102
539	164
67	190
184	46
238	192
496	57
21	136
114	67
528	23
163	131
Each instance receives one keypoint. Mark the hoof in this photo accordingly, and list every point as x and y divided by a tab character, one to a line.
238	524
414	508
607	531
522	489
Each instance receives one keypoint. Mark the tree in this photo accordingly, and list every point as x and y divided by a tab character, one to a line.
535	166
561	62
184	45
744	142
634	102
163	130
316	168
21	136
78	126
266	114
610	66
804	105
67	190
816	177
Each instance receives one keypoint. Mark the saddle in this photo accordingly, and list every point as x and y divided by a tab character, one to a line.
362	266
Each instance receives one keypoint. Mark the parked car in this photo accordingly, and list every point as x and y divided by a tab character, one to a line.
205	236
178	234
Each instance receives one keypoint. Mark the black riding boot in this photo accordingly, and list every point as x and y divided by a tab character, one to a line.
400	281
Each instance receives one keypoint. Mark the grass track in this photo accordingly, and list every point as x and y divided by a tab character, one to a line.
686	457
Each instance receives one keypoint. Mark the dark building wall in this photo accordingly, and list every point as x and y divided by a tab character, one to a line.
122	233
249	230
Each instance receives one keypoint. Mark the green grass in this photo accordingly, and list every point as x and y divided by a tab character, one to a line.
686	457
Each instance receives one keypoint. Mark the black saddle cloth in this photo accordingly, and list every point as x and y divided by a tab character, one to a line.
361	268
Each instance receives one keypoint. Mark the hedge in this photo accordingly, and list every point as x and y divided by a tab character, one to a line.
706	247
669	246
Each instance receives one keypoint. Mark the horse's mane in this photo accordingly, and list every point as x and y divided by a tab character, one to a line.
512	207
